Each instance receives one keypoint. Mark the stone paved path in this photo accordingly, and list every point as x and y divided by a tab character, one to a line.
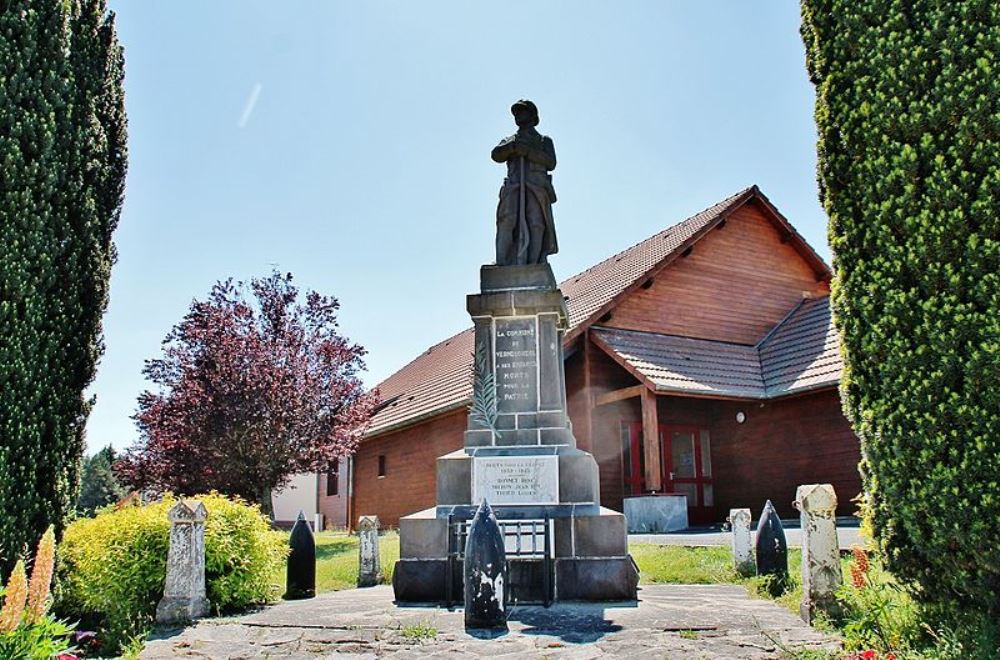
670	621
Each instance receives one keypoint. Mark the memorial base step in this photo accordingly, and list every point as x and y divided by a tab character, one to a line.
580	579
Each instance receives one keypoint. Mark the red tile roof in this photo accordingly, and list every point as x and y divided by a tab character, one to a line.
685	365
439	379
802	353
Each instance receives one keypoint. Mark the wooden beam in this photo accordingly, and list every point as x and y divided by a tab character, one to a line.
588	392
651	440
619	395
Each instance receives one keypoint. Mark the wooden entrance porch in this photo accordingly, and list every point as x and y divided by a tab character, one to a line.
677	462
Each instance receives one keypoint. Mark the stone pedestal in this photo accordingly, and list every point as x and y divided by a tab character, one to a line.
520	455
184	596
821	573
656	514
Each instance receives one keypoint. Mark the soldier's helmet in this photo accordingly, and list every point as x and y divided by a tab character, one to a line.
524	105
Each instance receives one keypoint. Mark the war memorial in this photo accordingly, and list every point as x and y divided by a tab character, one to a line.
517	522
519	452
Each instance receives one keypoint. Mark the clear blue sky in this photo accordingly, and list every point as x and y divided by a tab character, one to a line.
348	143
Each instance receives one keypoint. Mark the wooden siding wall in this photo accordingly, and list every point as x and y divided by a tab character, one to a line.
578	400
736	284
608	448
410	457
784	444
605	443
781	445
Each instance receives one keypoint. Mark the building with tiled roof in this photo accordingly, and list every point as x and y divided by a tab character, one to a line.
713	336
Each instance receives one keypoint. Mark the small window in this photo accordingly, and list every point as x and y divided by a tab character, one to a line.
381	465
333	479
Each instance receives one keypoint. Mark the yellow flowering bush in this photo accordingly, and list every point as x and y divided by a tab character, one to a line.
112	567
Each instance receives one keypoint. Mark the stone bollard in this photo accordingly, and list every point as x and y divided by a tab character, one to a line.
369	565
772	550
184	591
821	575
300	576
485	572
739	519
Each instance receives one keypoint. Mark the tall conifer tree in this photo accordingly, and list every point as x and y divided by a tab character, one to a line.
908	115
63	162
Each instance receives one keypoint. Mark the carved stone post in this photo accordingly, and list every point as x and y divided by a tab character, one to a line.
821	575
742	548
369	565
184	596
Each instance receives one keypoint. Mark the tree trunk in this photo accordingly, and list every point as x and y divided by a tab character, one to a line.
266	505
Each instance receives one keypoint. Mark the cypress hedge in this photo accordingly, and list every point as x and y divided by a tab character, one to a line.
908	117
63	162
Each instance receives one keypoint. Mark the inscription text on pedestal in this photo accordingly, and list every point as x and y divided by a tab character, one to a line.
516	479
516	343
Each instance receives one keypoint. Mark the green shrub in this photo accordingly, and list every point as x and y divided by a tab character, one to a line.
876	611
908	117
27	630
112	567
42	640
244	557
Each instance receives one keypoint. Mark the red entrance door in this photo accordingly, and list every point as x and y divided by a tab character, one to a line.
687	469
633	460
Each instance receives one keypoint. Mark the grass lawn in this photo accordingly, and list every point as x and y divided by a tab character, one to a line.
337	559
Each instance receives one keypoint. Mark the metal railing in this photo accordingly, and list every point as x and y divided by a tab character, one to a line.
524	540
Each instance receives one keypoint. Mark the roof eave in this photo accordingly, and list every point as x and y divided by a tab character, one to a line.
809	389
819	266
413	421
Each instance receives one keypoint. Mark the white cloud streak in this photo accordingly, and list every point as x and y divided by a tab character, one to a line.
250	105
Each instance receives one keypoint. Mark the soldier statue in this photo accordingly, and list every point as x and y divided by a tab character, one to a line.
526	233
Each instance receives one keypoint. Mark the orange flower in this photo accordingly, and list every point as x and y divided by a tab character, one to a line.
860	566
14	596
41	576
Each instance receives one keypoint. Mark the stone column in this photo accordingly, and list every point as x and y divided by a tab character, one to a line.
742	546
184	592
369	566
821	575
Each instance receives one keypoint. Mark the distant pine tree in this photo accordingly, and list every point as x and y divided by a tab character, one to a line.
63	162
99	486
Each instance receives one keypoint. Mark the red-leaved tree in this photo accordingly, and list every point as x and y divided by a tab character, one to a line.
253	387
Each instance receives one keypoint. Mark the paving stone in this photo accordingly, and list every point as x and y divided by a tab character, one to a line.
365	623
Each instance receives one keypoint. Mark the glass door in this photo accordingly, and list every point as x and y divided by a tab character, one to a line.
687	469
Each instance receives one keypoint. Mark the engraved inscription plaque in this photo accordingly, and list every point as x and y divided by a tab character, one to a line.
516	479
516	343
